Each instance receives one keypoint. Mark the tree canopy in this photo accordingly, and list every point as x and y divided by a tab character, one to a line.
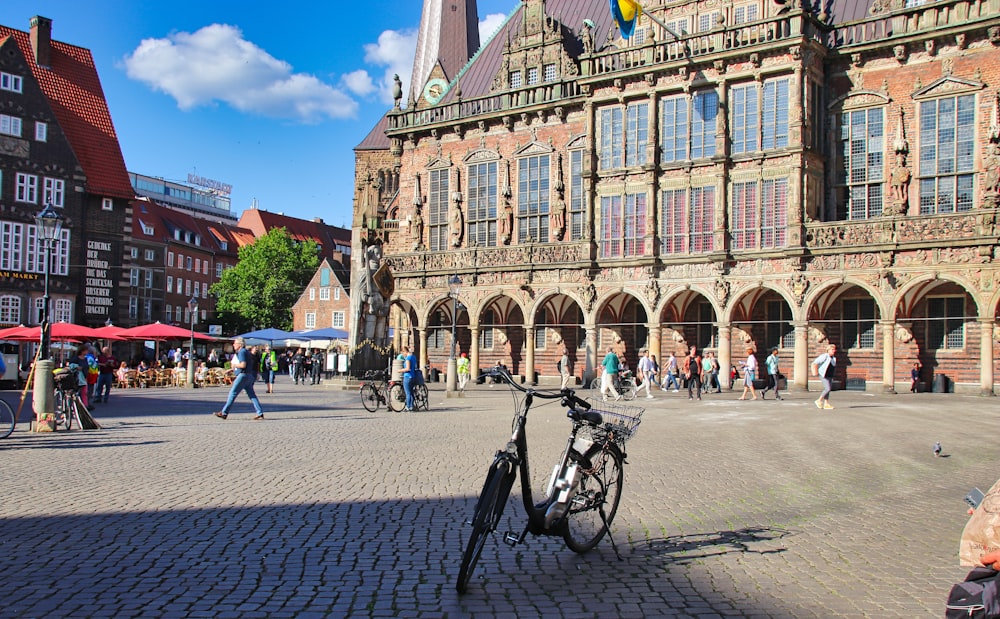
260	290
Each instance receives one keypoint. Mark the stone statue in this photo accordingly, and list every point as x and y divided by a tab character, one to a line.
587	36
505	220
899	188
417	228
455	224
397	90
370	189
558	217
991	170
370	293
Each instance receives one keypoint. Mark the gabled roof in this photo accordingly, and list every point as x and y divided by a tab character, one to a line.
260	222
74	91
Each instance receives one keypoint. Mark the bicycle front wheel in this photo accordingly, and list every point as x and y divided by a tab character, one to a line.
628	389
485	519
397	398
595	384
7	419
64	410
593	507
369	398
421	399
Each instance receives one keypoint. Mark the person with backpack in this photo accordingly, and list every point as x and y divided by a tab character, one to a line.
693	373
670	375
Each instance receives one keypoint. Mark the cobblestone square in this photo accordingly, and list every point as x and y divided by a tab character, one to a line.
730	509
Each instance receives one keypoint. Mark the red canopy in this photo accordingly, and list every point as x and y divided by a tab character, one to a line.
110	332
57	331
159	331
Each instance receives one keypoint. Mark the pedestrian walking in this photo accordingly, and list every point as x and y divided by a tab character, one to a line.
749	374
710	372
563	366
773	374
670	374
268	368
693	373
298	363
316	366
463	371
825	367
646	372
610	365
244	364
656	370
106	367
914	377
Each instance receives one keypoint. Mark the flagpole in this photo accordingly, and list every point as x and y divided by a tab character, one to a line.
661	24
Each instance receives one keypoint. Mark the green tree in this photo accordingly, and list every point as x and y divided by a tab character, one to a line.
260	290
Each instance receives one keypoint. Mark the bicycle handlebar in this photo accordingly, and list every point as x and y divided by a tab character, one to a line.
569	397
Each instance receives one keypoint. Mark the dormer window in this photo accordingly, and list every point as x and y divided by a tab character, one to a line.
515	79
532	76
550	73
10	82
223	245
146	228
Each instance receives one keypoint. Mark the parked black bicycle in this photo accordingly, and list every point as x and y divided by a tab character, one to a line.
583	494
375	391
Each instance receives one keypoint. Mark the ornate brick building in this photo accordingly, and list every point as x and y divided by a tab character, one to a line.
765	174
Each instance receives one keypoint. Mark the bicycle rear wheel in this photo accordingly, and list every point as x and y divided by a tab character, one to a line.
593	507
369	397
7	419
421	399
397	398
628	389
485	518
64	408
595	384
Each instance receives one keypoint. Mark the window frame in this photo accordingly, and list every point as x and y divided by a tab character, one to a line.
934	183
481	203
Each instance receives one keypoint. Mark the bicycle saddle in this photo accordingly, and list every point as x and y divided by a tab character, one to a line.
592	417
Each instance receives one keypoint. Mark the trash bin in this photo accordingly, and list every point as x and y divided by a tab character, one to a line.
435	375
940	384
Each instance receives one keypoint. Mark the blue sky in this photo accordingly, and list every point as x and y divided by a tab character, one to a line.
268	97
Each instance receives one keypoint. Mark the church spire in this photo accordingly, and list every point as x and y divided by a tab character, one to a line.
449	35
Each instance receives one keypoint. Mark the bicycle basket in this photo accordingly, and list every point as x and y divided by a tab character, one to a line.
620	422
65	379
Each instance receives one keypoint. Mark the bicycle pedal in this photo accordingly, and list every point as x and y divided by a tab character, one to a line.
510	539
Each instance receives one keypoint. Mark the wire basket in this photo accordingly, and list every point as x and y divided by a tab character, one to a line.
619	422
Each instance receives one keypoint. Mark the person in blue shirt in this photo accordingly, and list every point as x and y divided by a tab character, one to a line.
409	375
244	364
825	367
771	364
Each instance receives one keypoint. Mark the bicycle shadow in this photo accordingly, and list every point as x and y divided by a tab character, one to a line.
695	546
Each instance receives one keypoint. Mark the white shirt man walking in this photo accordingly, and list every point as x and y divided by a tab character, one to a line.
646	372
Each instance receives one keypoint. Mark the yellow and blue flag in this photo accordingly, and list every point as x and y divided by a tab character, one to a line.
626	14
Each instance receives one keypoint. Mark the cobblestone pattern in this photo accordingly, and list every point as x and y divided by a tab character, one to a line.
730	509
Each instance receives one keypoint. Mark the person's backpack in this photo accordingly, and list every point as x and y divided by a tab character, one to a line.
976	597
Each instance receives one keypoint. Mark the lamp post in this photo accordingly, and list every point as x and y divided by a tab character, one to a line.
193	310
48	229
454	288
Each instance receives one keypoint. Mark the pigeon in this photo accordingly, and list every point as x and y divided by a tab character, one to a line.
937	449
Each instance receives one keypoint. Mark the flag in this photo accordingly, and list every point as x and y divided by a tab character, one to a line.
626	14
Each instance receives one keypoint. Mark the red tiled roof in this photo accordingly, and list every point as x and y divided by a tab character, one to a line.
260	222
74	91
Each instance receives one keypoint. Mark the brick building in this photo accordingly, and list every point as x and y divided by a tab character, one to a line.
326	300
58	146
777	174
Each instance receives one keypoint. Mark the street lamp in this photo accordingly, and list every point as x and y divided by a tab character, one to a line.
454	288
48	229
193	310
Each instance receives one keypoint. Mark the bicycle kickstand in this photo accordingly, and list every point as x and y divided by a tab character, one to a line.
614	546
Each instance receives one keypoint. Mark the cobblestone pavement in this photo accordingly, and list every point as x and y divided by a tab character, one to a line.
730	509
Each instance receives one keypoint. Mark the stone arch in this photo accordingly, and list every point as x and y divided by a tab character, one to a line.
501	321
851	314
833	289
621	318
559	317
404	319
688	317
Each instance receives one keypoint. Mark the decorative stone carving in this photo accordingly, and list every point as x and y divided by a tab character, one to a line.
931	47
653	291
587	36
903	333
993	32
991	175
722	289
899	53
817	333
557	219
397	91
899	186
798	284
589	295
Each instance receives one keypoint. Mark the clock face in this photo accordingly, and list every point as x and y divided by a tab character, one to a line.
434	90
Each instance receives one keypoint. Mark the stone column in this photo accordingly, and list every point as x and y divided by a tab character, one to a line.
655	335
590	372
474	368
800	363
888	355
986	326
423	357
529	354
725	352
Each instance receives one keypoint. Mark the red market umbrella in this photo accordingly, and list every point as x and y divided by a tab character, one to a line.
57	331
14	333
110	332
160	332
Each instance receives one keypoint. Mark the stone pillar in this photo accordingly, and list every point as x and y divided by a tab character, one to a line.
725	352
529	354
655	337
423	358
986	326
474	368
590	372
888	355
801	361
43	391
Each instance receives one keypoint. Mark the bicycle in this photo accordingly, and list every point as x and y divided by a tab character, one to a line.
585	488
624	384
375	390
8	420
421	398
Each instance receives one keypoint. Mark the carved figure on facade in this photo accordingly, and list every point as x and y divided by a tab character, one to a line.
653	291
397	91
817	333
722	289
589	295
557	219
417	228
903	334
369	198
587	36
798	284
991	175
899	186
371	295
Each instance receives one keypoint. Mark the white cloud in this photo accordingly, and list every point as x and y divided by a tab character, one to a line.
216	64
359	82
394	51
489	25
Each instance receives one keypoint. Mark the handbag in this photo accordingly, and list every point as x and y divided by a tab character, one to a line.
975	597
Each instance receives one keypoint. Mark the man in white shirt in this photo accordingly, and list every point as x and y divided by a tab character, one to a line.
646	372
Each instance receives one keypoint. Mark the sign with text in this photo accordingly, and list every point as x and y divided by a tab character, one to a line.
98	284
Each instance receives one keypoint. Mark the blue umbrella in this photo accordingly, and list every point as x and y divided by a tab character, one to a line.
268	335
328	333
